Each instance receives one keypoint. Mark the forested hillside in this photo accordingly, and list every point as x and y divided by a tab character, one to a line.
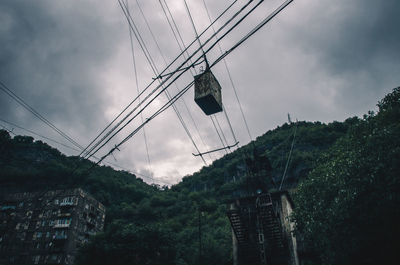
347	209
146	224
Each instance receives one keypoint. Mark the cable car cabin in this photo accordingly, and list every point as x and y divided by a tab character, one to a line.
207	92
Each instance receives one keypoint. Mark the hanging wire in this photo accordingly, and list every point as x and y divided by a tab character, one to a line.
197	37
194	28
23	103
155	70
138	91
44	137
185	55
223	135
87	153
207	66
231	81
93	149
180	74
8	130
289	157
214	63
254	30
165	62
219	135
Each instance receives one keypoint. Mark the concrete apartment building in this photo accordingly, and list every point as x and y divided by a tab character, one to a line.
47	227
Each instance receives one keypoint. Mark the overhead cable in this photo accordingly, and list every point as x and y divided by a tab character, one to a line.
88	153
168	95
138	91
183	91
149	85
179	45
205	59
289	157
20	101
180	73
231	81
163	57
44	137
255	29
155	70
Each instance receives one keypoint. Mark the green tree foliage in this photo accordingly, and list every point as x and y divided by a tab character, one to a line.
347	210
125	244
170	217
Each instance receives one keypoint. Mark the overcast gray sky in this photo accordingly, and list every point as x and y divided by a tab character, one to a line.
71	61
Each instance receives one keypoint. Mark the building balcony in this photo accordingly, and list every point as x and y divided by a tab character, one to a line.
64	214
8	207
67	203
61	225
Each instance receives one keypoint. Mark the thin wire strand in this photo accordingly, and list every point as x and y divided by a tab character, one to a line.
183	44
289	157
216	118
145	89
219	135
155	70
231	81
23	103
138	91
255	29
39	135
165	62
180	37
194	27
181	73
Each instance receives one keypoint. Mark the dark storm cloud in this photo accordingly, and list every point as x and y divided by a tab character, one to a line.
356	41
51	53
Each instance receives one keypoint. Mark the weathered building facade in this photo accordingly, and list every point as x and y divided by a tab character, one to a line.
47	227
262	231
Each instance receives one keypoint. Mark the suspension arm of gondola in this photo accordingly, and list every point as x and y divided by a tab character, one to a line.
178	70
216	150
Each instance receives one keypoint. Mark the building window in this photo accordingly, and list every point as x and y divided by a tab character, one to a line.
63	222
36	259
67	201
53	257
37	235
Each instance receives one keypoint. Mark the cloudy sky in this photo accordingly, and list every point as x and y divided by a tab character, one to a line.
72	61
